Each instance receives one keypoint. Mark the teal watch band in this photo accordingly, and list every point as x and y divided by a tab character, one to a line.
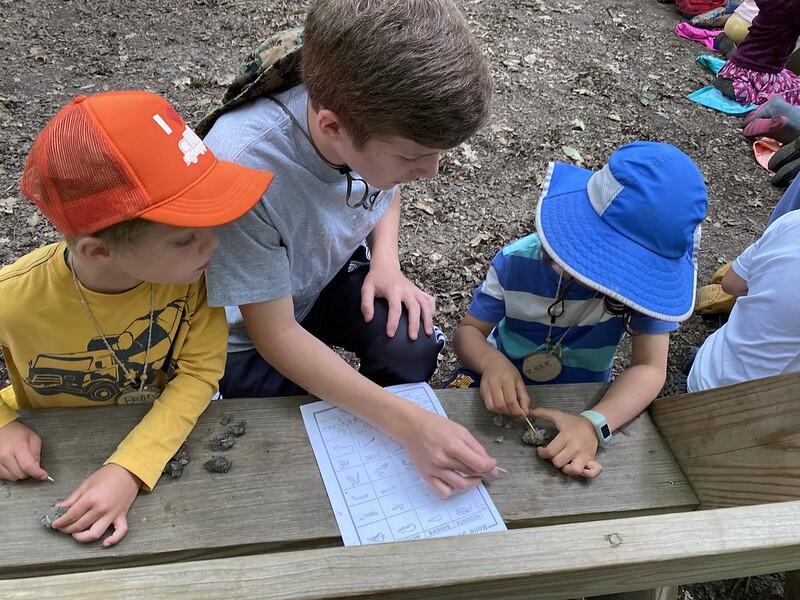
600	425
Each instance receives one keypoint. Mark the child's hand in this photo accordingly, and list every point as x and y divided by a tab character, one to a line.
391	284
575	446
20	452
103	499
446	454
502	388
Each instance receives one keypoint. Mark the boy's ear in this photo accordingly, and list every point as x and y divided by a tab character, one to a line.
92	249
328	124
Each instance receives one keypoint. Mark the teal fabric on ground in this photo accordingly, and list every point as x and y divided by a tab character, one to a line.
712	63
712	98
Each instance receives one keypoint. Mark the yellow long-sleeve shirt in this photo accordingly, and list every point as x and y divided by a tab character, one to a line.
56	358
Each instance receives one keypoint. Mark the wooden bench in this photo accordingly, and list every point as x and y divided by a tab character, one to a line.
265	529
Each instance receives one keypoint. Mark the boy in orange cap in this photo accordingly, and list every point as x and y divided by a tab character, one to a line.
117	313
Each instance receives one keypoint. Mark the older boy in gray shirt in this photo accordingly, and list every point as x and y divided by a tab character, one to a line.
387	86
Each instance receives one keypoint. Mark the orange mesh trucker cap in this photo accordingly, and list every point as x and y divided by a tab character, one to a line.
115	156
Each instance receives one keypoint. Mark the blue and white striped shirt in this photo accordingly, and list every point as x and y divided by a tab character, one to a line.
519	288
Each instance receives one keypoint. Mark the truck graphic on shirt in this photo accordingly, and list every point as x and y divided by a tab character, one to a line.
94	374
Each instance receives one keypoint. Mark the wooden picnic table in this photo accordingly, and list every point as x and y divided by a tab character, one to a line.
273	497
266	529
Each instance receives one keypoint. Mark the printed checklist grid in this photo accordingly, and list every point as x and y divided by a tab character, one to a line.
375	491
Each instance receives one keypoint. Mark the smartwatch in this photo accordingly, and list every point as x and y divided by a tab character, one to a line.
600	425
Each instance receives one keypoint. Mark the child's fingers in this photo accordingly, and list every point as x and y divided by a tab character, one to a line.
553	448
393	317
30	466
72	498
77	509
94	531
548	414
428	307
413	309
488	397
563	458
368	301
83	522
522	396
576	466
456	481
474	462
13	470
440	487
592	469
512	400
120	529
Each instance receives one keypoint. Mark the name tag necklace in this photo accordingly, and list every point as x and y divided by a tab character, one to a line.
546	365
130	395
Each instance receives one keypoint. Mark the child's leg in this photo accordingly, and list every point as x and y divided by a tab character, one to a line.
336	319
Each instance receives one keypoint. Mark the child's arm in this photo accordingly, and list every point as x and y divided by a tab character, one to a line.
447	456
630	393
502	387
105	497
733	284
386	280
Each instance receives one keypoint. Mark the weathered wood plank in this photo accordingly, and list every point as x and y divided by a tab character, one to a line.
545	563
273	497
738	445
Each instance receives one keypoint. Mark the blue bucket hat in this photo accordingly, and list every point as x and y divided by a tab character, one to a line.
630	230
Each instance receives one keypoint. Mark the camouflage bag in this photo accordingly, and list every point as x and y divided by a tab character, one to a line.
273	67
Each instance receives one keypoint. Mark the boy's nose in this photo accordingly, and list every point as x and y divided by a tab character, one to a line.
210	241
430	168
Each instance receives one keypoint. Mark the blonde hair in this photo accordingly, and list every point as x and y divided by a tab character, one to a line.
409	68
119	235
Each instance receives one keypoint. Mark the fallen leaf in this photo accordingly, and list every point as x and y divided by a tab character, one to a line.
7	205
572	153
578	124
426	208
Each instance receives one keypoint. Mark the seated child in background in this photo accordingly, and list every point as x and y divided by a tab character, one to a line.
614	252
762	335
117	313
756	70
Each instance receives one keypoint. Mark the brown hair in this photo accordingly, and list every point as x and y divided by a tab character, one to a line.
409	68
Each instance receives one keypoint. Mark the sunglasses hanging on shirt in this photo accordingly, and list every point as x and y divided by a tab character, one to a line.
365	199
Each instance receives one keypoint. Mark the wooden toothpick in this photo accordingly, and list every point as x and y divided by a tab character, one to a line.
533	429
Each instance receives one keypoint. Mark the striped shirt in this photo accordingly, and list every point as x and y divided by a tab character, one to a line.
519	288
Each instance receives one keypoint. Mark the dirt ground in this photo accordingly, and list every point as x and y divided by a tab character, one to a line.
588	76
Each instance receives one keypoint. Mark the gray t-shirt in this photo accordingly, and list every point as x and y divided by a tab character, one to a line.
301	232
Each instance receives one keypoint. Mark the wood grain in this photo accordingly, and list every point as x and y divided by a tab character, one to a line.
273	497
543	563
738	445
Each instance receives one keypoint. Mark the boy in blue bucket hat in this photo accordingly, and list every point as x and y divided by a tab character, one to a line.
615	252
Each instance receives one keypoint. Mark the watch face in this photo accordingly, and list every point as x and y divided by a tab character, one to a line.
604	429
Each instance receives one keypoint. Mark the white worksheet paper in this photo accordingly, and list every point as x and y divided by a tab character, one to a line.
375	491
